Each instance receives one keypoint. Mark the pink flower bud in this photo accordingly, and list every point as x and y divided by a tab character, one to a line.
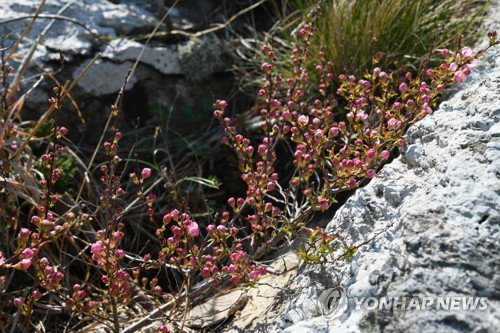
370	173
63	130
18	302
334	131
145	173
254	275
36	294
218	114
96	247
459	77
193	229
25	263
466	51
351	182
303	120
385	154
24	232
119	254
27	253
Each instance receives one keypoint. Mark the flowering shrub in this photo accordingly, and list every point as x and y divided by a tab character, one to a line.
72	254
333	149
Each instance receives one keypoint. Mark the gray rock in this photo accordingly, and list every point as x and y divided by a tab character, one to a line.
167	76
200	58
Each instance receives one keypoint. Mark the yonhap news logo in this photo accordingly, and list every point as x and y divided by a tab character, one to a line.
334	302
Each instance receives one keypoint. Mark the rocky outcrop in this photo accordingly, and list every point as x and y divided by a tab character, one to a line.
180	74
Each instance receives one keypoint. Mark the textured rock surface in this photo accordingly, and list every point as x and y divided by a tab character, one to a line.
434	213
171	75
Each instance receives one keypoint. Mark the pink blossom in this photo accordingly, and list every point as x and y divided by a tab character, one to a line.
351	182
193	229
176	230
96	247
459	77
164	329
119	253
303	120
403	87
323	204
360	115
334	131
24	232
18	302
364	83
145	173
27	253
63	130
392	122
370	173
35	219
37	294
49	270
385	154
254	275
26	263
218	114
466	51
453	66
56	174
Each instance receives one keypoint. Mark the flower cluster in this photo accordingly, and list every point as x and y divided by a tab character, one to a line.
336	141
241	267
